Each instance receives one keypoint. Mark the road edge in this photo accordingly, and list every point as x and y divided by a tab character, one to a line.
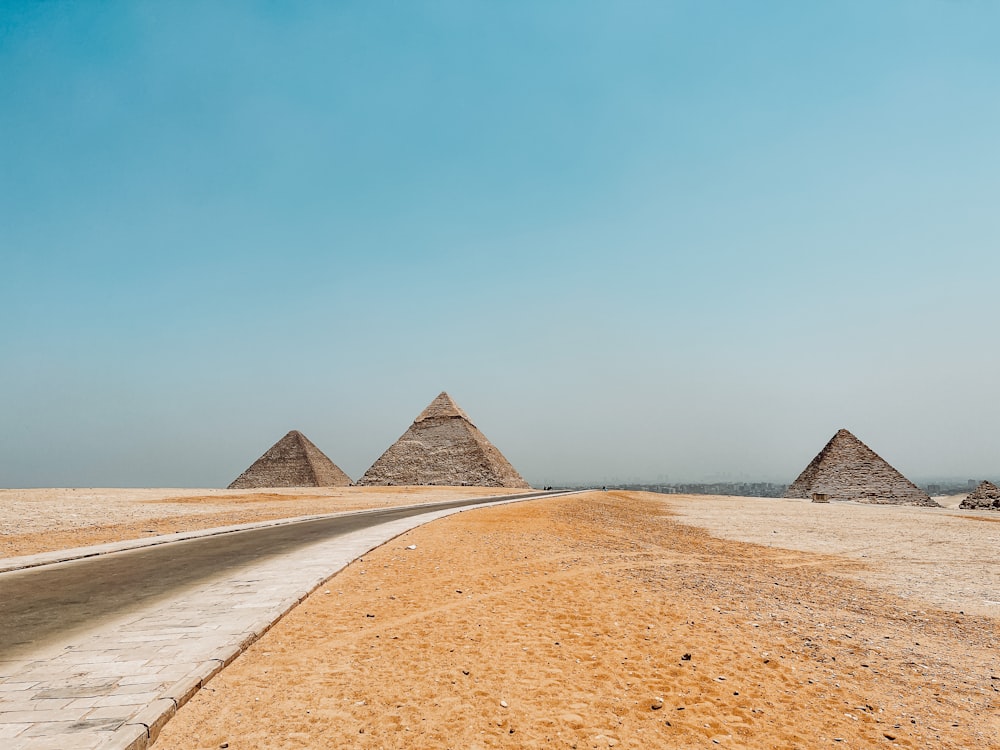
141	731
24	562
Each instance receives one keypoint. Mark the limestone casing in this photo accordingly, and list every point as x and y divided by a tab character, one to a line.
443	447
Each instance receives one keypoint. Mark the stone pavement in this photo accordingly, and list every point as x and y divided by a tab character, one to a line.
114	688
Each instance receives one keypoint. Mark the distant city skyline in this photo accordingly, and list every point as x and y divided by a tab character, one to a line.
688	239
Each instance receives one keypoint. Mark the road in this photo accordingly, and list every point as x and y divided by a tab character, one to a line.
40	605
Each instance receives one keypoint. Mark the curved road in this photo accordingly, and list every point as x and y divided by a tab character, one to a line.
38	605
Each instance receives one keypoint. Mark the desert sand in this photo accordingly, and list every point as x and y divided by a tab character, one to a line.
597	620
942	556
42	520
601	620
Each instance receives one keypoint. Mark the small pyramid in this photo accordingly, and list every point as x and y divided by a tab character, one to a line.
292	462
443	447
986	495
847	469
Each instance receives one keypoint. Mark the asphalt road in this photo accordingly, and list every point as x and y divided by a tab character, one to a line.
38	605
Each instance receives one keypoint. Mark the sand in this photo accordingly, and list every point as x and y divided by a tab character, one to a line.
945	557
564	622
42	520
600	621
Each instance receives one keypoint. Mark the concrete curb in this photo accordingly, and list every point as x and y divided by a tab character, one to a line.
141	731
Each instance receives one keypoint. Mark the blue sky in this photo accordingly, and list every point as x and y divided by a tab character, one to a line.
633	240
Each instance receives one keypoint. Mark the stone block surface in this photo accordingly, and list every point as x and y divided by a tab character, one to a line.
847	469
292	462
985	497
443	447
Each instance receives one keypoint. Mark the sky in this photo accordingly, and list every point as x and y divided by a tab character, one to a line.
635	241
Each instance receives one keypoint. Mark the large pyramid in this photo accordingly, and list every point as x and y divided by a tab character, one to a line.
847	469
986	495
443	447
292	462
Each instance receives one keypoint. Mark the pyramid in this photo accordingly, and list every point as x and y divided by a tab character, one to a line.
292	462
986	495
443	447
847	469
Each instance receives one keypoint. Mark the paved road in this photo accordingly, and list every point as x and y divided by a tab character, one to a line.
48	603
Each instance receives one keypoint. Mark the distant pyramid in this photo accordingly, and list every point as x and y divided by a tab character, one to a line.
443	447
847	469
986	495
292	462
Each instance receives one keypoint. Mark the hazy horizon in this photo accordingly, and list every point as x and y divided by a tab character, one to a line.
681	239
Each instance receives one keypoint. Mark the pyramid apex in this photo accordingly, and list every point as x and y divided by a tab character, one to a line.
442	407
845	439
